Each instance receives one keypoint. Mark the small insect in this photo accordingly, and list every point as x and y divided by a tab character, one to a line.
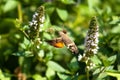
64	40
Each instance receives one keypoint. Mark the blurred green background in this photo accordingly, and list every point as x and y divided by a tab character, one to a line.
53	63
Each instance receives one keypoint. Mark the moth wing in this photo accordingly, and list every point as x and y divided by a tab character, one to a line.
57	42
68	42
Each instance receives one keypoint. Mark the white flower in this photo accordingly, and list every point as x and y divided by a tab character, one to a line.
91	41
42	19
79	57
35	26
91	44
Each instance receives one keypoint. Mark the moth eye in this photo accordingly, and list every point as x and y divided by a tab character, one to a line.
70	45
72	48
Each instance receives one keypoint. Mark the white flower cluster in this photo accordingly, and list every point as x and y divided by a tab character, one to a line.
91	43
37	22
38	18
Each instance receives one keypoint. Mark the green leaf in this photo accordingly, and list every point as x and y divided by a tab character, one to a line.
104	59
50	74
23	46
2	77
26	41
101	76
74	64
50	9
100	73
23	53
68	1
28	54
63	76
116	29
56	67
114	74
47	36
91	4
112	59
49	56
46	23
38	77
10	4
41	53
96	60
62	13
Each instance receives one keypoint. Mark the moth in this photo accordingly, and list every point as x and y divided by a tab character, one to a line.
64	40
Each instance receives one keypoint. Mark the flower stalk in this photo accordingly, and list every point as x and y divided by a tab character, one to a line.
37	23
91	43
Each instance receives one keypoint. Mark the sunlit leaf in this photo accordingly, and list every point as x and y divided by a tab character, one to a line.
116	29
2	77
96	60
114	74
50	73
112	59
67	1
26	41
91	4
63	14
50	9
101	76
38	77
49	56
10	4
46	23
56	67
47	36
64	76
41	53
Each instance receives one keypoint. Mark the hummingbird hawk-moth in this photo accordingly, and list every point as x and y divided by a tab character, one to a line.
64	40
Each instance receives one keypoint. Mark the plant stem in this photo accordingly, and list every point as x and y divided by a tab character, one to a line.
87	73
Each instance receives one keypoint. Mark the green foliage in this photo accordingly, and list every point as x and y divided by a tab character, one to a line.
2	77
40	61
114	74
62	14
9	5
